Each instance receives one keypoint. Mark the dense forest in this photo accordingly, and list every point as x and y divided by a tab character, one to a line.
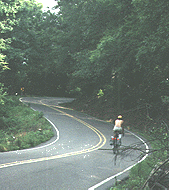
110	47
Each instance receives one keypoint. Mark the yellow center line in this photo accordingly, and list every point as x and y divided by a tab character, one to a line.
101	143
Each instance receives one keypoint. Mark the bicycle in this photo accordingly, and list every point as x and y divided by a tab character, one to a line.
115	142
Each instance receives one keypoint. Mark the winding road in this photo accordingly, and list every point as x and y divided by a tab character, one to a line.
78	157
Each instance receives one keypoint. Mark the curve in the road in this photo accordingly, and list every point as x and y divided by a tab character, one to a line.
101	143
97	132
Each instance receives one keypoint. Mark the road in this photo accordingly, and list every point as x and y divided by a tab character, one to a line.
78	157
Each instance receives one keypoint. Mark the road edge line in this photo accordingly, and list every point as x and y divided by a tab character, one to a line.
127	169
39	147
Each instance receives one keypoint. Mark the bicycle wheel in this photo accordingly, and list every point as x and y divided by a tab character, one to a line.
115	148
115	142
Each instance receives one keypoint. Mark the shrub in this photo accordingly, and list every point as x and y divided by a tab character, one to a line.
2	148
39	115
19	129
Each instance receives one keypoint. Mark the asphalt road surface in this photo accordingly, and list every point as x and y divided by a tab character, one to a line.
79	157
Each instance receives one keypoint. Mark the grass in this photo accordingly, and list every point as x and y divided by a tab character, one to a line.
21	127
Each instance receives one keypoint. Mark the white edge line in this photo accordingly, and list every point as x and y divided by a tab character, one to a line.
112	177
57	131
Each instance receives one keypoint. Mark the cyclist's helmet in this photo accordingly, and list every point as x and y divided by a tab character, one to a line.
120	117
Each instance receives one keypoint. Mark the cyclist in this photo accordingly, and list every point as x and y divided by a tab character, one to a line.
118	126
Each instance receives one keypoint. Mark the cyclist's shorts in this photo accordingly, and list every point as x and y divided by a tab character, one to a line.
117	129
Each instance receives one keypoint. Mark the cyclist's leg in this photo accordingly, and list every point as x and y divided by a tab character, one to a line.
120	136
111	140
115	132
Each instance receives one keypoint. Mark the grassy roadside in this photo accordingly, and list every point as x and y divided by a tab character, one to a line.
21	127
137	121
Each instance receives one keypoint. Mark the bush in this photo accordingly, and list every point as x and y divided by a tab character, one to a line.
2	148
39	115
2	123
19	129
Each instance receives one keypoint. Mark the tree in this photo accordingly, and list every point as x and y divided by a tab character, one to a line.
19	49
32	52
7	20
137	56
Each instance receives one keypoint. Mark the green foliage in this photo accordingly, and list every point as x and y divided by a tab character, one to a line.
21	127
2	95
100	93
138	175
165	99
19	48
89	45
129	49
7	20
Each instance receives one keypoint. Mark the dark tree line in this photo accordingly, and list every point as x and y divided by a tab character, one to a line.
117	46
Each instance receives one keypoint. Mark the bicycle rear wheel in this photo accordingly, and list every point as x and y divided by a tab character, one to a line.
115	148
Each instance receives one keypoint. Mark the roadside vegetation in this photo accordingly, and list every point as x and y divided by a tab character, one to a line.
20	126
